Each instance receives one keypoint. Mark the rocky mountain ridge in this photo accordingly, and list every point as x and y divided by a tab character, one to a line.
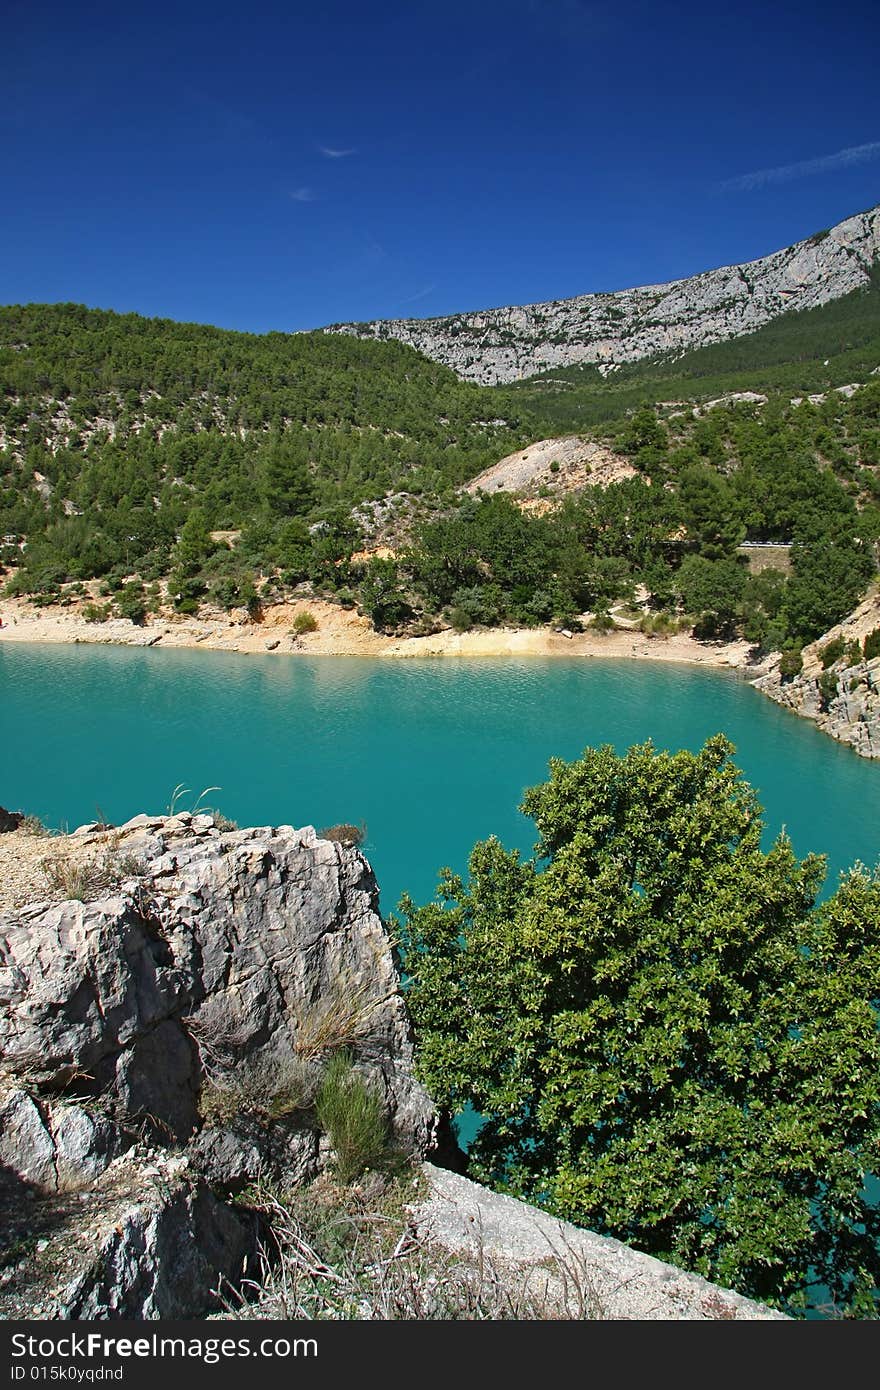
507	344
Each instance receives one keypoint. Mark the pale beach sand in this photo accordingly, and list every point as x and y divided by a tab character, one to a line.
342	632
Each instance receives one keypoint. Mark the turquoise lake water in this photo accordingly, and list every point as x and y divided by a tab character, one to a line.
430	754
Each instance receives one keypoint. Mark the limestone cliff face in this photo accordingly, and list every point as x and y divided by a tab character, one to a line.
851	716
172	1033
848	708
606	330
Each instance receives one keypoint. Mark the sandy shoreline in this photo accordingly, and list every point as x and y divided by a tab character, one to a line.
343	633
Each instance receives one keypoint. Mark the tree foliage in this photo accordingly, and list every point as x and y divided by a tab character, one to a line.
669	1041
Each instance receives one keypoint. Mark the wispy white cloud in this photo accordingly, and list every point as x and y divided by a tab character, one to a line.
804	168
419	294
330	153
303	195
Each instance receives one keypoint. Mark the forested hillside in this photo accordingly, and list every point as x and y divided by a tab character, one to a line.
151	464
806	476
798	353
119	433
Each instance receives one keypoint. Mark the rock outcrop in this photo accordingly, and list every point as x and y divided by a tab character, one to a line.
843	701
573	1272
566	464
145	1240
607	330
852	715
191	1007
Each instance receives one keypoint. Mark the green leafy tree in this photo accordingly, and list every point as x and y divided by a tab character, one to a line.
185	583
709	508
382	598
645	439
668	1041
131	603
827	584
194	544
712	590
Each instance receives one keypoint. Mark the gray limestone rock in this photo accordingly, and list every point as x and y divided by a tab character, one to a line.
165	1257
26	1146
245	956
573	1272
235	1155
55	1145
144	1241
194	1008
607	330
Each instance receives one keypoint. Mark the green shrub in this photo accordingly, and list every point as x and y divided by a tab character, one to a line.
344	834
96	612
657	624
872	645
305	622
831	652
827	689
225	592
353	1118
602	621
131	603
791	664
253	601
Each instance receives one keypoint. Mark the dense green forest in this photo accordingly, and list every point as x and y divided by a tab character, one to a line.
129	444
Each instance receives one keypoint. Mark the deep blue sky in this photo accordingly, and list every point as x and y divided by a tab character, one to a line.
287	165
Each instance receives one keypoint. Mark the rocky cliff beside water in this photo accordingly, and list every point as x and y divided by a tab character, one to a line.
163	1044
173	998
606	330
843	699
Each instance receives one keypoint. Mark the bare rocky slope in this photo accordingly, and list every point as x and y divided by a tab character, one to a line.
606	330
